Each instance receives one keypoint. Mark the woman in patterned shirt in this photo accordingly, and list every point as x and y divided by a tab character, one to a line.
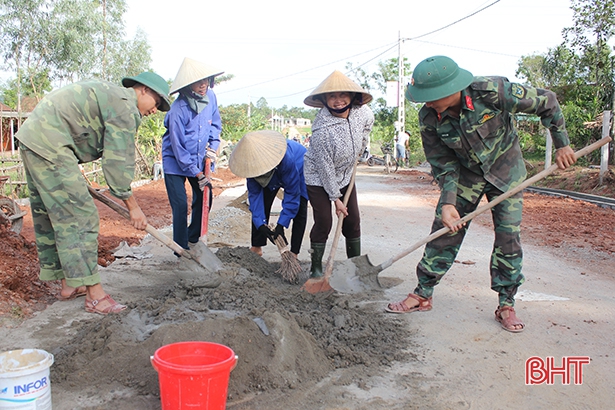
340	133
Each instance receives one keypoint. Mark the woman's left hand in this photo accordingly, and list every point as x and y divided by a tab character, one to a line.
339	207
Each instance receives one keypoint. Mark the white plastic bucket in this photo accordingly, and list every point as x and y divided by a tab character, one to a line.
24	380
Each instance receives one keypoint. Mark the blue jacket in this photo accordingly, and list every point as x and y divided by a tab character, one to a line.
188	136
288	175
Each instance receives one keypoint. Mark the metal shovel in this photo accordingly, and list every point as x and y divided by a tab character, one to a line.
205	258
358	274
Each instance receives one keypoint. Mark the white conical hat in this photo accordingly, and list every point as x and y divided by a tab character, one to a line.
257	153
192	71
336	82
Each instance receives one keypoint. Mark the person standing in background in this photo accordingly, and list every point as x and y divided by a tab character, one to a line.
401	145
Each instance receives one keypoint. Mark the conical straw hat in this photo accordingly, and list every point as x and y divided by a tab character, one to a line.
192	71
336	82
257	153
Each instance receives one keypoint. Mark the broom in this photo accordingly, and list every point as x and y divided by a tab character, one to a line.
290	267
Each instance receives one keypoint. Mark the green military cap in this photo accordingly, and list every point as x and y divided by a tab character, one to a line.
437	77
153	81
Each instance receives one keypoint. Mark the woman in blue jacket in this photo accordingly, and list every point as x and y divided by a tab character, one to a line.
193	133
270	162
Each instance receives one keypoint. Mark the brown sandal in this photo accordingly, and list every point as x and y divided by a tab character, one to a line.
114	307
400	307
511	321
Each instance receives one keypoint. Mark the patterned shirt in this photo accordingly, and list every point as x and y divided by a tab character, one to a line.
94	119
335	146
482	144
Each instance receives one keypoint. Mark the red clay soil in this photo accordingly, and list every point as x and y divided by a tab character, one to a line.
547	221
22	293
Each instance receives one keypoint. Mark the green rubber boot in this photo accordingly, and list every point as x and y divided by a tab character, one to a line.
317	251
353	247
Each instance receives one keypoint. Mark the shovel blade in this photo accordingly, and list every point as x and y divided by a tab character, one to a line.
316	285
205	257
355	275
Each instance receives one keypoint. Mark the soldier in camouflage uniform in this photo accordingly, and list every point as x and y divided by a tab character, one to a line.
80	123
472	145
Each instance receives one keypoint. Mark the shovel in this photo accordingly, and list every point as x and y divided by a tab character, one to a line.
205	260
317	285
200	249
359	274
206	203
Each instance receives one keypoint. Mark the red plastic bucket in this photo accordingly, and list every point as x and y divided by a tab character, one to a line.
193	375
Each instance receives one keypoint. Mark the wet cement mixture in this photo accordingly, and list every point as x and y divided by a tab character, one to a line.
285	338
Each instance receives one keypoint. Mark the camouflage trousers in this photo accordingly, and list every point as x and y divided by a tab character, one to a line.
65	218
506	257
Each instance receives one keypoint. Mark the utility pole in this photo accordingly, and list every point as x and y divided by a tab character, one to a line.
401	104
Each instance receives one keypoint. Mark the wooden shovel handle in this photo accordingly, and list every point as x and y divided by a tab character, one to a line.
338	228
149	229
580	153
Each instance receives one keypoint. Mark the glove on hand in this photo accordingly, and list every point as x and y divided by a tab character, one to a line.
211	154
279	231
203	182
264	229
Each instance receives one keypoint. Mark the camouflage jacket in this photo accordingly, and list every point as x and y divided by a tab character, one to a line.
93	119
482	144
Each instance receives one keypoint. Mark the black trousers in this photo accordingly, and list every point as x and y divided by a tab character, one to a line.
299	222
323	217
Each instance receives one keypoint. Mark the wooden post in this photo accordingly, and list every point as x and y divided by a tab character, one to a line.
604	150
549	149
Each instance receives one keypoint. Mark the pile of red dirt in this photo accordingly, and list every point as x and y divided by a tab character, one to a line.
22	293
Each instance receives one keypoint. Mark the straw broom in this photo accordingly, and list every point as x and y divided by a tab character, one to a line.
290	267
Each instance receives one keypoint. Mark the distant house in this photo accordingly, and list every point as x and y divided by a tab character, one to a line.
276	122
303	122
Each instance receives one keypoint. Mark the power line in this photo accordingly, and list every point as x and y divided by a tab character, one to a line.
360	65
390	45
307	70
454	22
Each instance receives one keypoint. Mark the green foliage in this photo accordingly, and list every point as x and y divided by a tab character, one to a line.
149	136
581	71
236	123
58	41
32	85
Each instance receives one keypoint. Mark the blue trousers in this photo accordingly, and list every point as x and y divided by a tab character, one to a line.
178	198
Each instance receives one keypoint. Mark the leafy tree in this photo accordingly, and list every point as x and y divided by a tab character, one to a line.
236	123
588	38
385	117
24	27
69	40
581	70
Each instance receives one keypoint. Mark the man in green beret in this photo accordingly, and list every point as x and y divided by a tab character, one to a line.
470	140
80	123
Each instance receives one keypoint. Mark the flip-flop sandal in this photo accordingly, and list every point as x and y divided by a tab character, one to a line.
91	305
78	292
509	322
400	307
